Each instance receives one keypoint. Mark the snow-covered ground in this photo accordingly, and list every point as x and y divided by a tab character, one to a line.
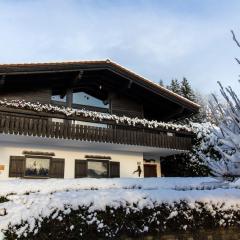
21	186
46	196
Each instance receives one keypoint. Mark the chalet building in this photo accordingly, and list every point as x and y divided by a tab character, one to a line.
87	119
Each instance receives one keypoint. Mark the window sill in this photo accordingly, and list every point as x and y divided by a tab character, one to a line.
33	177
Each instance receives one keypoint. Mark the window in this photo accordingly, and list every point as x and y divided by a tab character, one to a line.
37	167
83	98
59	98
78	99
97	169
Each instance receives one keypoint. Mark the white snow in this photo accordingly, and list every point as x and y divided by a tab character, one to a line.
21	186
38	107
48	196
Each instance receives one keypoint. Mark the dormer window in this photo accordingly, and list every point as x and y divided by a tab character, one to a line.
59	98
78	100
83	98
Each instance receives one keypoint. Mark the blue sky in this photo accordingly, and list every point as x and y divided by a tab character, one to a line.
157	39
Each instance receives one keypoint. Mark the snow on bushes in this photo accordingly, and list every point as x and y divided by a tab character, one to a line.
92	114
194	162
228	137
204	150
110	213
69	209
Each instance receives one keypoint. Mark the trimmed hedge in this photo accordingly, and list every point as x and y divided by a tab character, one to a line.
130	221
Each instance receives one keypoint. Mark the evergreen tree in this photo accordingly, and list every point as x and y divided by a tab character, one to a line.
161	83
204	114
175	86
186	90
228	138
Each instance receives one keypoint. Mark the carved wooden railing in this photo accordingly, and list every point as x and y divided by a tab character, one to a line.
42	126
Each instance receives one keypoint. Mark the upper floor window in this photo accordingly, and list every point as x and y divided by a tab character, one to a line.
59	98
83	98
78	99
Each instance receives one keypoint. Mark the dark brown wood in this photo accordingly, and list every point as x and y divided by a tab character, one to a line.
38	153
57	168
124	106
35	125
33	79
114	169
98	157
17	166
150	170
36	115
80	168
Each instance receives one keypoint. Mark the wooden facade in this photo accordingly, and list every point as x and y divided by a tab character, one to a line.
122	92
19	122
127	93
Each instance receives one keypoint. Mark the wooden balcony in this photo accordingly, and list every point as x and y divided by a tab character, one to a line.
29	123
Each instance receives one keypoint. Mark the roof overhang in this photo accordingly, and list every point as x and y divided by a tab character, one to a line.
79	67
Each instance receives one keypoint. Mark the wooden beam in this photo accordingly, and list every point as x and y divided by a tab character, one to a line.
78	77
2	80
32	71
177	112
129	84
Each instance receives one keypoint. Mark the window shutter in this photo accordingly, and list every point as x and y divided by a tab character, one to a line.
80	168
57	168
114	169
17	166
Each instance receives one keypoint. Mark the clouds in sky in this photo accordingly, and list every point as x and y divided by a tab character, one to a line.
158	39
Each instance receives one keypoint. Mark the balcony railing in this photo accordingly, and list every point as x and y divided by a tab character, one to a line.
20	122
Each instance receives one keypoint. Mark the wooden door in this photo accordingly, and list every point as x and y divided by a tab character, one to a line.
150	170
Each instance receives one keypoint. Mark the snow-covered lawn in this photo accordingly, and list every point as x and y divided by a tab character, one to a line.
45	197
21	186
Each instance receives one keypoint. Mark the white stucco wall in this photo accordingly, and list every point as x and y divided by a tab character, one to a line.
128	160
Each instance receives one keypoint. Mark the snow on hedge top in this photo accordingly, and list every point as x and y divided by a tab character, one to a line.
38	107
54	195
30	210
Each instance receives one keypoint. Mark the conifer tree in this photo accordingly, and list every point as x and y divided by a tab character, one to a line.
186	90
228	133
228	137
175	86
161	83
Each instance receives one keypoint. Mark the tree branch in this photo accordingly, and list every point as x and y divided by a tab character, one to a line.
238	61
235	39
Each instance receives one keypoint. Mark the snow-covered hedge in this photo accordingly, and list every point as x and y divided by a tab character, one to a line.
110	213
71	209
92	114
